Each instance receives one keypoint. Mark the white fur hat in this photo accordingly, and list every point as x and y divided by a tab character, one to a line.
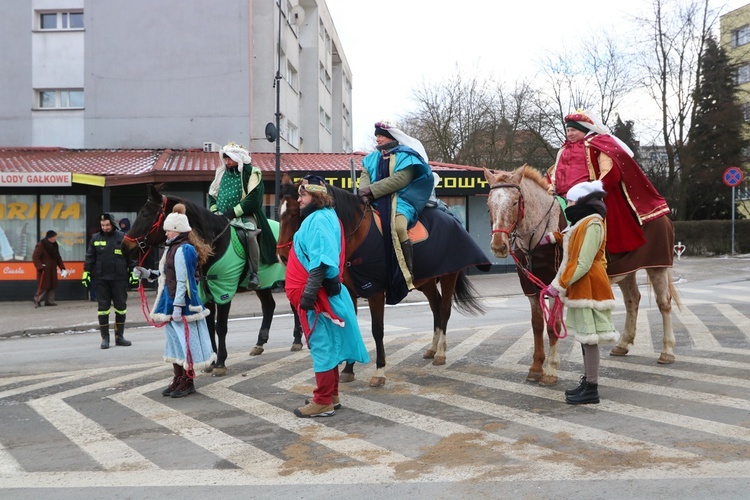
584	189
177	222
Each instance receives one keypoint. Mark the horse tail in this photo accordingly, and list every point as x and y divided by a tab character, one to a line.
466	299
673	292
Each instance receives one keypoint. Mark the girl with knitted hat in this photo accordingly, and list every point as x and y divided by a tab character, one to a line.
188	344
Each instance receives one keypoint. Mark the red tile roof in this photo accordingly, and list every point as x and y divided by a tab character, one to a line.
136	166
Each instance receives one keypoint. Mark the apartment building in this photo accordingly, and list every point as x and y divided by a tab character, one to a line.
173	74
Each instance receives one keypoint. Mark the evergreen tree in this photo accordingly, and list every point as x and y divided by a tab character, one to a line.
715	141
624	131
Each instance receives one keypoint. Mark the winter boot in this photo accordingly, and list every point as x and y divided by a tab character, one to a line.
573	392
408	250
104	329
119	335
589	395
184	387
178	374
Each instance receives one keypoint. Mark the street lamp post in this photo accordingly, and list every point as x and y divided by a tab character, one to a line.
277	84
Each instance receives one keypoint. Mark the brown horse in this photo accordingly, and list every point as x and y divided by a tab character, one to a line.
442	290
521	213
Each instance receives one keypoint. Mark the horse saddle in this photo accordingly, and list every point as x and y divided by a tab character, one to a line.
417	233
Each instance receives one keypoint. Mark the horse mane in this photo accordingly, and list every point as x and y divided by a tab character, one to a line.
534	175
203	222
347	205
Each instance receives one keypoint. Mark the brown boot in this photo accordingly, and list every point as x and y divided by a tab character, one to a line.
313	409
184	387
178	373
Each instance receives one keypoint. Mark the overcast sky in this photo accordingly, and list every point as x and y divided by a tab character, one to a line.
393	46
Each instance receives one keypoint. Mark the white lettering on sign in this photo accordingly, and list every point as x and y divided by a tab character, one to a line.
36	179
10	270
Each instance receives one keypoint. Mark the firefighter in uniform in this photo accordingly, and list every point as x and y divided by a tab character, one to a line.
112	270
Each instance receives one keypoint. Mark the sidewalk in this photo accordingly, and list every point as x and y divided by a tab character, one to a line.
19	318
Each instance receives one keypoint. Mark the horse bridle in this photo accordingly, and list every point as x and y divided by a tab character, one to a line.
143	247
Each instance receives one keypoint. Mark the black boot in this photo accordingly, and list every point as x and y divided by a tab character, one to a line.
408	250
573	392
120	335
104	329
589	395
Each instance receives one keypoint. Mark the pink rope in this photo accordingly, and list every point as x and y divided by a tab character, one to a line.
553	315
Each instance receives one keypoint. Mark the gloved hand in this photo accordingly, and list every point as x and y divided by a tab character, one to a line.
64	273
141	273
177	313
547	239
332	286
365	194
229	213
86	279
551	291
133	279
314	282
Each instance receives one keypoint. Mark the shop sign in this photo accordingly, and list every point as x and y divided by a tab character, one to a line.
36	179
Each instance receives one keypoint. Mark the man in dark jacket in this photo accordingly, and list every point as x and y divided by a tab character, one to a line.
112	270
47	259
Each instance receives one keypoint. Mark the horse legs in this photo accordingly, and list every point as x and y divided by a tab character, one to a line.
660	280
377	318
632	297
537	327
549	371
222	321
297	333
430	290
211	325
268	306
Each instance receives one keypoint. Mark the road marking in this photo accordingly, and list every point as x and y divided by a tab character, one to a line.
700	335
89	436
677	420
738	319
210	438
8	464
469	344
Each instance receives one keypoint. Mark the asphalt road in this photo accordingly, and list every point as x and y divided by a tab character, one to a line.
81	422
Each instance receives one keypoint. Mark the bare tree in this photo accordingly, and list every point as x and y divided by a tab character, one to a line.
676	34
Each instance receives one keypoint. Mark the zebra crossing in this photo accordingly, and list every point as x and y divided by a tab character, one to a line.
474	419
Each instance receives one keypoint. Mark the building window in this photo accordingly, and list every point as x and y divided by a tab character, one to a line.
743	74
346	114
62	20
325	119
325	77
60	99
293	135
741	36
292	77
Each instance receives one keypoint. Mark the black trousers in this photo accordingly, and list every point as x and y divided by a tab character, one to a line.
112	293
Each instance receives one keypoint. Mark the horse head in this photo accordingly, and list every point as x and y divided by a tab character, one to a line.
290	219
146	230
521	210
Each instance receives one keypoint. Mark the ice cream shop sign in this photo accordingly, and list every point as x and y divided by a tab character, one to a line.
36	179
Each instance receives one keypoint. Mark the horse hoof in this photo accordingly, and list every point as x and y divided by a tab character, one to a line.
346	378
547	380
665	359
533	376
257	351
438	361
429	354
208	369
376	381
219	371
618	351
298	347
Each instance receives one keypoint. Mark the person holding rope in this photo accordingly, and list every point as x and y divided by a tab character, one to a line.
46	258
177	306
325	308
582	283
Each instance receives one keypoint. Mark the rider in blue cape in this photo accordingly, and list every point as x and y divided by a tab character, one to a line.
398	181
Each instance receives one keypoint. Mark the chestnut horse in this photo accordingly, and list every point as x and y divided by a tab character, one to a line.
358	220
521	213
146	232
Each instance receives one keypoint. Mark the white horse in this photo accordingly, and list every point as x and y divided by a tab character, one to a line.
521	213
